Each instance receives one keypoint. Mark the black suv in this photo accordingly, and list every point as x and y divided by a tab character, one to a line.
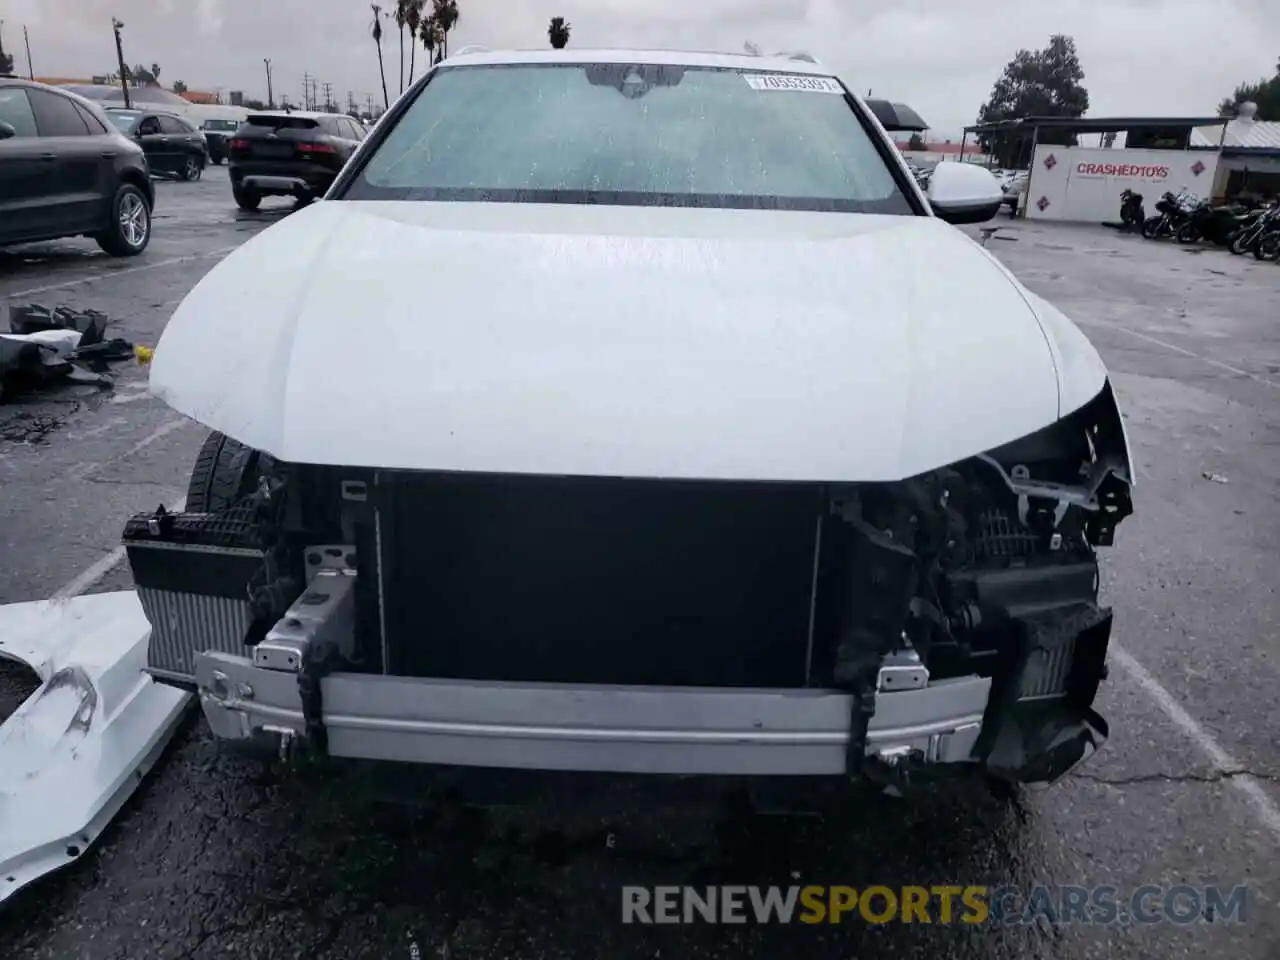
66	171
172	143
290	154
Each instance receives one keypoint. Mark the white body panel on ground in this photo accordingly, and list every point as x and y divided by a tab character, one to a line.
77	748
618	341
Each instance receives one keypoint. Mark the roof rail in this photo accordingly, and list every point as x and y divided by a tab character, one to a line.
752	49
471	48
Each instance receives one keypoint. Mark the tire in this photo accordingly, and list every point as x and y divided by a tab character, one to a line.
1187	233
1151	227
1240	243
1268	248
191	169
225	472
129	230
247	200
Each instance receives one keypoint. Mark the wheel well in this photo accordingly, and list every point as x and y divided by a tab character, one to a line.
137	179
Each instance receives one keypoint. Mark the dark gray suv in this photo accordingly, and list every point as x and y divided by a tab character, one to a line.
66	171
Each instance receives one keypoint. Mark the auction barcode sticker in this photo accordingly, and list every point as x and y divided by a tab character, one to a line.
791	81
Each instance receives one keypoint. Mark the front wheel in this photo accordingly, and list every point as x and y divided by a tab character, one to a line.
1151	227
225	472
1242	242
247	200
1187	233
129	230
1268	248
191	169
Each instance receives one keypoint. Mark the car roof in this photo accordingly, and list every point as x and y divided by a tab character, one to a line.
788	63
91	106
121	108
305	114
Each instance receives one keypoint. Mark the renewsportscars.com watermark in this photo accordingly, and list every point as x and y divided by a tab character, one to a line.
1058	905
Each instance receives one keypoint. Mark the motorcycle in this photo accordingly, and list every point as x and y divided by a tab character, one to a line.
1248	236
1132	214
1172	211
1214	224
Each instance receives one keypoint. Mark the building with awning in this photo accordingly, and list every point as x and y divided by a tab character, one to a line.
1249	154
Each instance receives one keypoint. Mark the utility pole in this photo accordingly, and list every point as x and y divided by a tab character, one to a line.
271	105
328	97
306	91
31	74
116	27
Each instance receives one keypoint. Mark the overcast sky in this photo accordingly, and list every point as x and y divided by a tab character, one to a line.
1145	57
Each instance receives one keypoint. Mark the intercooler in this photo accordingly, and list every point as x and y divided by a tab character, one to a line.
581	580
193	573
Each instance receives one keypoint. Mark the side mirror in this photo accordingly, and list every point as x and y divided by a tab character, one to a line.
964	193
7	130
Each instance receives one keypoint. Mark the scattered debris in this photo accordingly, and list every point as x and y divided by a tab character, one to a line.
46	345
1215	477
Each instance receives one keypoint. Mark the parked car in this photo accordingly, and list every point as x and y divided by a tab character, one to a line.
217	133
1015	187
637	412
290	153
65	171
172	143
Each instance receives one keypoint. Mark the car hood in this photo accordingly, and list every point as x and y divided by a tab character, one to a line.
619	341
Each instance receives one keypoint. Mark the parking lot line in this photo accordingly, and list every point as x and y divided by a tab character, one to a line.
91	574
1233	771
1191	353
127	271
85	470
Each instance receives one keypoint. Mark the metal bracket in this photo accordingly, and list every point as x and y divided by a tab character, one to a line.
323	617
334	557
902	670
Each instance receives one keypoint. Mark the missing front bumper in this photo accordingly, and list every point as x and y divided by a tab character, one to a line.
599	728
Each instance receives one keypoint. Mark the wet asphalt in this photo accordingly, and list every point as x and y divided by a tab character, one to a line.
219	855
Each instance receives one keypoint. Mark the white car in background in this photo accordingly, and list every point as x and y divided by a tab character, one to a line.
1015	190
636	412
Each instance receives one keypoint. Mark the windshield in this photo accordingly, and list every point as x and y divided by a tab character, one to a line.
221	126
124	119
632	134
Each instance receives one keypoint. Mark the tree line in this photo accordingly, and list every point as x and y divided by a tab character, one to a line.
1049	83
431	27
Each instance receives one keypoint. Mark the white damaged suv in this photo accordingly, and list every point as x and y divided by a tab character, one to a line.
637	412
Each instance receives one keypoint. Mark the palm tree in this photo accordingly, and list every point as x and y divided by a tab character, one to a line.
558	32
445	14
430	34
377	39
413	17
399	16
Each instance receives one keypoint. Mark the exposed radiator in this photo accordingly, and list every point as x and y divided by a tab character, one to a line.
1047	671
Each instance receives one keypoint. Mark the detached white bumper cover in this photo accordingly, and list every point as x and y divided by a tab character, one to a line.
74	752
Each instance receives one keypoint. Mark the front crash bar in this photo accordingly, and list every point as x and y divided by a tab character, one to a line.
588	727
76	749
